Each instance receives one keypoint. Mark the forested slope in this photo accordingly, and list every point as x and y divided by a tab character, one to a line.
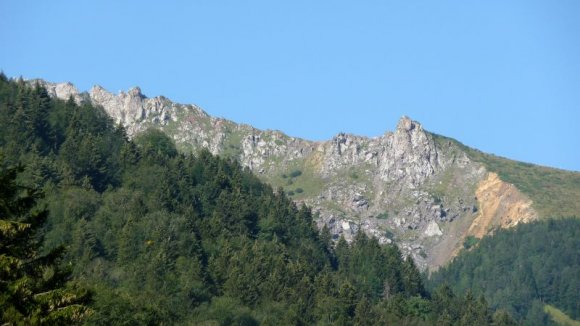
164	238
523	269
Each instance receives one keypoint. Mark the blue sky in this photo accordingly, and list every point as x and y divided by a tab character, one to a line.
501	76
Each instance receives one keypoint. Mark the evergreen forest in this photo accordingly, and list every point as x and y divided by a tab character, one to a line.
97	229
522	270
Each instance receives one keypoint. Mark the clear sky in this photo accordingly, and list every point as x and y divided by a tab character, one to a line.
501	76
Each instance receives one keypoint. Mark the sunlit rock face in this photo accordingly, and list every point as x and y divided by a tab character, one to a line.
407	186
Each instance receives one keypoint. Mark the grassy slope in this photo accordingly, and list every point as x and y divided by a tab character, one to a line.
555	193
560	317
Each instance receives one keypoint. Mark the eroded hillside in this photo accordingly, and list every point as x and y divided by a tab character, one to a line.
500	204
422	191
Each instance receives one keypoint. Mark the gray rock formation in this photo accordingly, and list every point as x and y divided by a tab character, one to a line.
408	186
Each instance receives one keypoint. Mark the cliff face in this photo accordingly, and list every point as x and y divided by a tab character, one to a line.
501	204
406	186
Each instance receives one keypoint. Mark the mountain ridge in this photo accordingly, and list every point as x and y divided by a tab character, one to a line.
409	186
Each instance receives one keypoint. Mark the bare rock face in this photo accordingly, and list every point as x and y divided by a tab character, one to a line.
413	156
500	203
125	108
408	186
61	90
132	109
433	230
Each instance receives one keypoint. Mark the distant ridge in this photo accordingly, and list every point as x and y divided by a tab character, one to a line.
424	191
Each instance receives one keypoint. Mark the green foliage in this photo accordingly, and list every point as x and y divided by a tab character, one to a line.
165	238
295	173
554	192
518	270
33	287
155	143
354	175
383	216
559	317
470	242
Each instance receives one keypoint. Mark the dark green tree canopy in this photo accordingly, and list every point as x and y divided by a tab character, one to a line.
167	238
33	287
522	269
156	143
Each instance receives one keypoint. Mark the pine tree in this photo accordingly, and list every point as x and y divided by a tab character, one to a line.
412	281
502	318
33	289
363	312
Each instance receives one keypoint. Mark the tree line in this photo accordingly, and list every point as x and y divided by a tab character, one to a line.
522	270
145	235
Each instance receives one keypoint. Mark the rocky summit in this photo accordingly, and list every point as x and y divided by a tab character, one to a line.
422	191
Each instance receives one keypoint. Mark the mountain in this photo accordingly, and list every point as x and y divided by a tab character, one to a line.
522	270
146	235
427	193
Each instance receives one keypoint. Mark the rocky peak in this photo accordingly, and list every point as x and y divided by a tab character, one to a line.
411	154
409	135
406	124
401	186
98	93
136	92
132	109
60	90
125	108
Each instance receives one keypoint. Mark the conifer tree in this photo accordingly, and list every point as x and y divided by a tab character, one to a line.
412	278
33	289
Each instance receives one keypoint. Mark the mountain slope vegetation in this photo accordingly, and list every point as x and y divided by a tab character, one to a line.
34	287
424	192
554	192
522	269
166	238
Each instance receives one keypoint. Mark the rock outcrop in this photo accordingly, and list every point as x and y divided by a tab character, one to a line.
407	186
500	204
